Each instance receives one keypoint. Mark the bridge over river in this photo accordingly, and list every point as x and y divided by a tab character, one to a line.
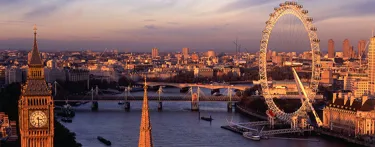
207	86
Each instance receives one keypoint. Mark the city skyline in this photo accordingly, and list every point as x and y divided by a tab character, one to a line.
258	63
140	26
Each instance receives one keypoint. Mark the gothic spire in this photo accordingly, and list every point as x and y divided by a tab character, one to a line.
35	59
145	136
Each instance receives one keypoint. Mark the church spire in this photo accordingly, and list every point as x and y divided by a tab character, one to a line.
35	59
145	136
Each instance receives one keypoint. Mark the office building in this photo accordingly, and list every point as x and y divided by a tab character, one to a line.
371	65
154	52
331	48
185	52
361	48
346	48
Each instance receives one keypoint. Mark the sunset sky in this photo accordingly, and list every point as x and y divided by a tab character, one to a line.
139	25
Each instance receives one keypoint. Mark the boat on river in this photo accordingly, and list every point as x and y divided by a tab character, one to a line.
65	111
207	118
253	137
105	141
121	103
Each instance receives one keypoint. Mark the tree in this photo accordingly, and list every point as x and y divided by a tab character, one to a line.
103	84
124	81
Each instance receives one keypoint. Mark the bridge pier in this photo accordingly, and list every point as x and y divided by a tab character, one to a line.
194	100
94	106
160	103
194	106
160	106
127	106
230	106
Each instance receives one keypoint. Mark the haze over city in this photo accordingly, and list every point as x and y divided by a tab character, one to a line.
134	25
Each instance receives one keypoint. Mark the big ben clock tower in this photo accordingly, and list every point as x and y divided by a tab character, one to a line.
35	106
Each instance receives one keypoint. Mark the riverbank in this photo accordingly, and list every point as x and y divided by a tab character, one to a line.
248	112
63	137
344	138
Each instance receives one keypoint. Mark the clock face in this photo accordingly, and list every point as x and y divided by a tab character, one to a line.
38	119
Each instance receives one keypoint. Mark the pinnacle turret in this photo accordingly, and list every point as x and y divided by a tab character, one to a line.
145	135
35	59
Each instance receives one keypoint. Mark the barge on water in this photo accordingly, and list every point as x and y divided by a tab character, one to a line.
105	141
207	118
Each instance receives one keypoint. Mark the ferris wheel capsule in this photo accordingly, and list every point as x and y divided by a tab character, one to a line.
276	8
313	29
282	4
318	78
316	40
309	19
318	65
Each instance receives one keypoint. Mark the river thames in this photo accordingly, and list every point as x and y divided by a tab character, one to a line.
175	126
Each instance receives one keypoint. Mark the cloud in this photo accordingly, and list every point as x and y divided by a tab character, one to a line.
219	27
149	20
173	23
8	2
150	27
47	9
357	8
243	4
14	22
151	7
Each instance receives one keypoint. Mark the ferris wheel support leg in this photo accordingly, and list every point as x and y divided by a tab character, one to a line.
272	122
293	123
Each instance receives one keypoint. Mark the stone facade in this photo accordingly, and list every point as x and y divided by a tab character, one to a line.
350	116
35	106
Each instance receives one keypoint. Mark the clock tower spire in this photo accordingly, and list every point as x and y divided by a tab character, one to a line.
35	106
